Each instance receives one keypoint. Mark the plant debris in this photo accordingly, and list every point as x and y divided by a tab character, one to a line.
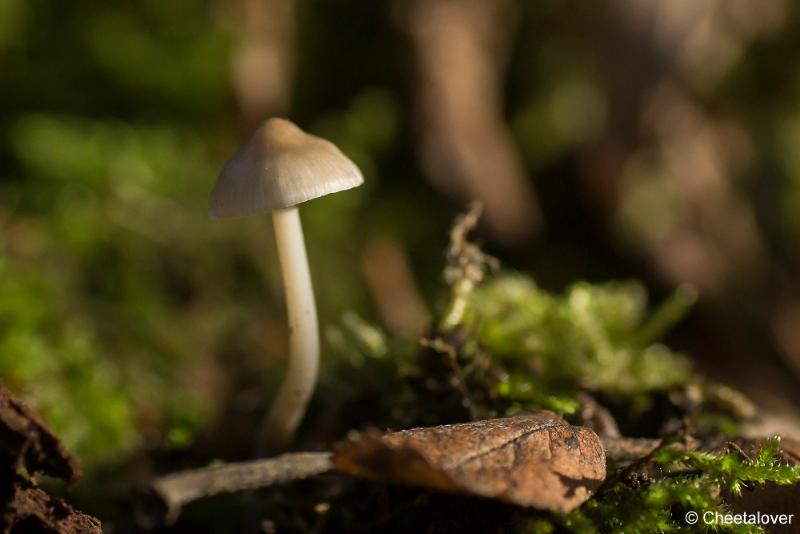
467	265
24	507
27	443
28	446
533	460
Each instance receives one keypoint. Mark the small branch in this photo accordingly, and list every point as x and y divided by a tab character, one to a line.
178	489
628	449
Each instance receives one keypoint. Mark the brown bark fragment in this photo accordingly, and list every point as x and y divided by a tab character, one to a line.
26	508
27	443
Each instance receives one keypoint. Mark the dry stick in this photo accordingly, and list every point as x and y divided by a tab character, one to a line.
628	449
179	489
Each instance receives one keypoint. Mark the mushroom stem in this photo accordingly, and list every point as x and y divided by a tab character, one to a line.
298	385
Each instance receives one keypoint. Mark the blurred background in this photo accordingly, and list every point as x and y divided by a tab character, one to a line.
657	140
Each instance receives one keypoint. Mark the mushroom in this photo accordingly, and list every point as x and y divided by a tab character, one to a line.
279	168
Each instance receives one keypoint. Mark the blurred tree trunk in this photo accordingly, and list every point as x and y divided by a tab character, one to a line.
461	48
263	59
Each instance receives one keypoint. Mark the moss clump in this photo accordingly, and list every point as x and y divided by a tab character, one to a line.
504	345
589	339
682	481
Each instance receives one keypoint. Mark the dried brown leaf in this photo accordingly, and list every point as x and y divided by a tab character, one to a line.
533	460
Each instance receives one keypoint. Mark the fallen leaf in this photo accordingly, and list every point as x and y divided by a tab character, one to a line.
535	460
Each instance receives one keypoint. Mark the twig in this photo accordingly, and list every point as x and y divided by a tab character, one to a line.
628	449
178	489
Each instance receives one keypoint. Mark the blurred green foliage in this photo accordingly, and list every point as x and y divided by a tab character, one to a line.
53	359
127	312
101	243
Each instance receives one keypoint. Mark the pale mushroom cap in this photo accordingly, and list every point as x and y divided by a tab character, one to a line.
280	166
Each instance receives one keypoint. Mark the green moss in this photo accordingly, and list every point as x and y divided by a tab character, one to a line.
55	364
687	481
94	400
588	338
